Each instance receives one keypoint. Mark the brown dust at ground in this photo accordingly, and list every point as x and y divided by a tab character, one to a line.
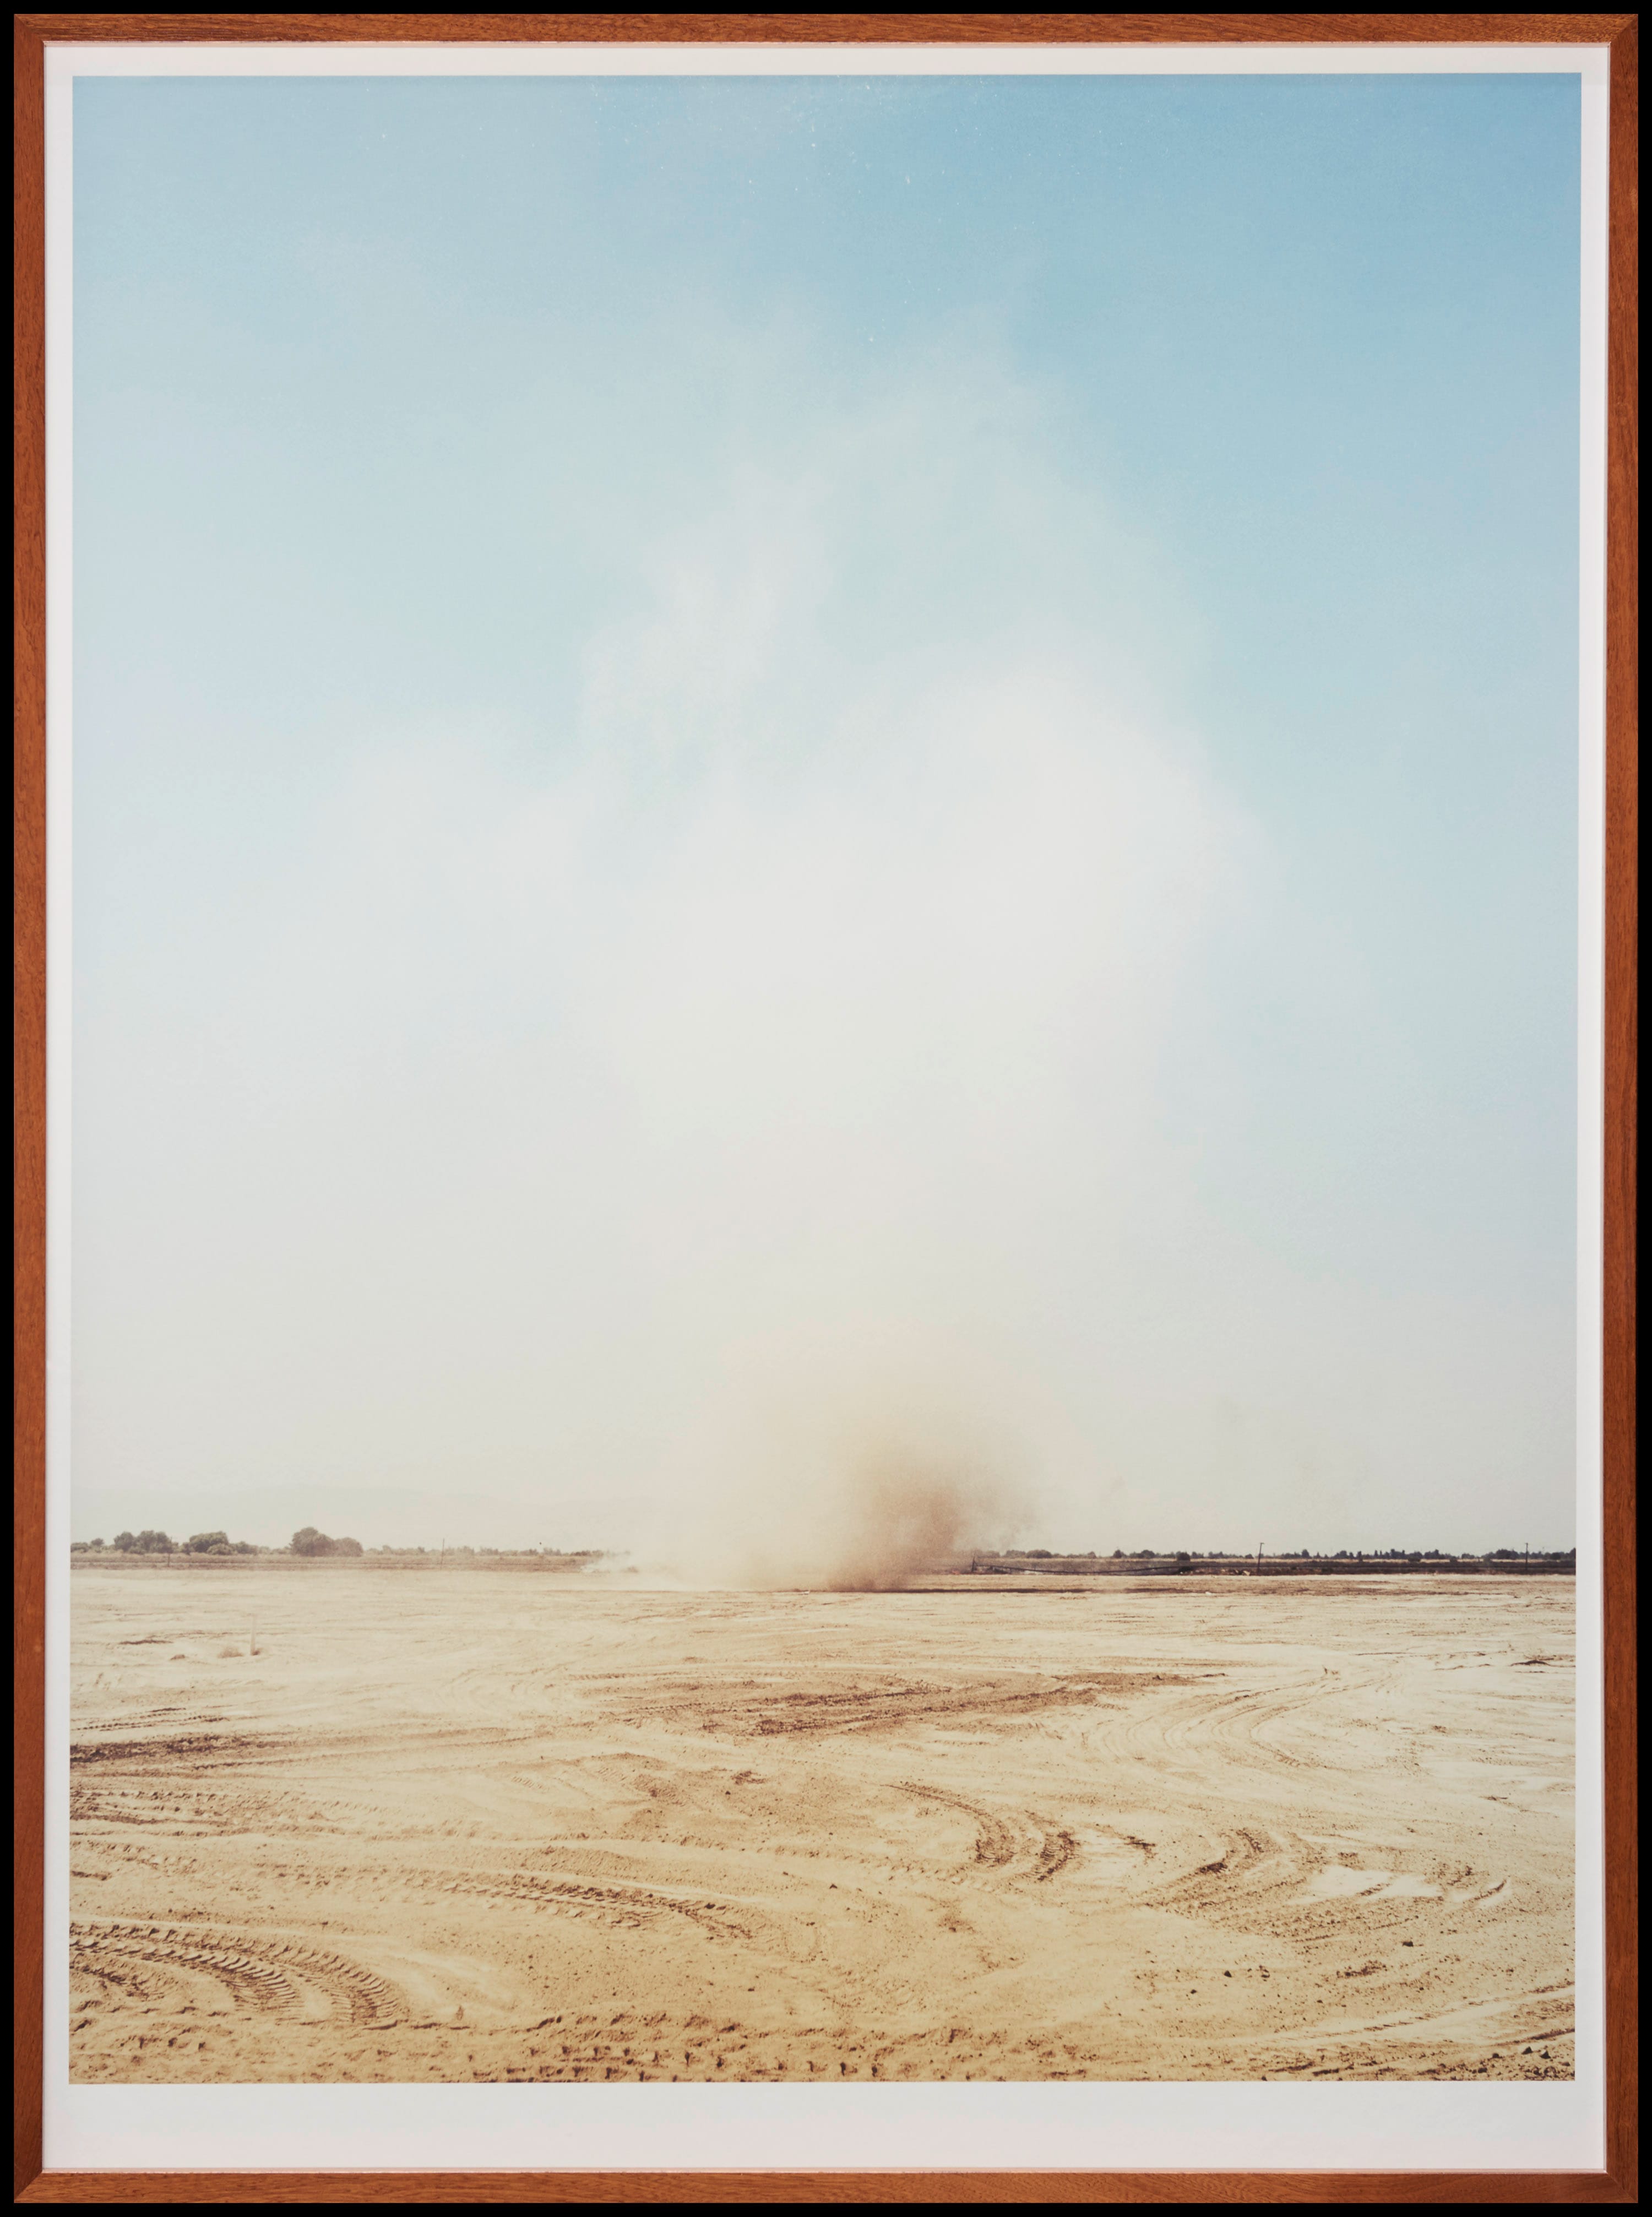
454	1826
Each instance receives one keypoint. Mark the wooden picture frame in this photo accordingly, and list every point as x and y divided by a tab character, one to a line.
1616	2182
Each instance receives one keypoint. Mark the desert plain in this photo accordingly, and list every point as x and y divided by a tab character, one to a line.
452	1826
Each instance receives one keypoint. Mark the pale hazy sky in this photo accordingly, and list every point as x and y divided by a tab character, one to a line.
749	749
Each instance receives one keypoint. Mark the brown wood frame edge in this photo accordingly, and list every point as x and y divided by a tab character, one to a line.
1618	2181
831	30
1195	2189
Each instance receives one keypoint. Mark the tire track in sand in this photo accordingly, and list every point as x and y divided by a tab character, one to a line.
277	1977
1041	1848
628	1907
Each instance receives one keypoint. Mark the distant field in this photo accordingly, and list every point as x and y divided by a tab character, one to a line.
1028	1828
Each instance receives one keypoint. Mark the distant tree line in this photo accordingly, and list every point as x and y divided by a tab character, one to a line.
1285	1555
307	1541
162	1543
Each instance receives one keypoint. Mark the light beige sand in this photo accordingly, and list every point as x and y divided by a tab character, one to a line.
474	1826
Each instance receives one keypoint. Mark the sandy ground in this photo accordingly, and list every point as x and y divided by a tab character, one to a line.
339	1826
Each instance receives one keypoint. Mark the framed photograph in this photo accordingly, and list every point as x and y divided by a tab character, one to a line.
825	1029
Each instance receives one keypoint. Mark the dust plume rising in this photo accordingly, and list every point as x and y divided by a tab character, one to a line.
895	1517
841	1504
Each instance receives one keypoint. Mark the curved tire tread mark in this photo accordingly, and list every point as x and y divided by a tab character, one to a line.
1000	1842
994	1842
1057	1850
628	1907
1250	1869
268	1977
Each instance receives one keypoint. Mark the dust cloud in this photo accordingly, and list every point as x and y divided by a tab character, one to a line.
886	1518
822	997
898	1518
845	1492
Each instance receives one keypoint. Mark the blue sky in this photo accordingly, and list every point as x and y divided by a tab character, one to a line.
528	531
